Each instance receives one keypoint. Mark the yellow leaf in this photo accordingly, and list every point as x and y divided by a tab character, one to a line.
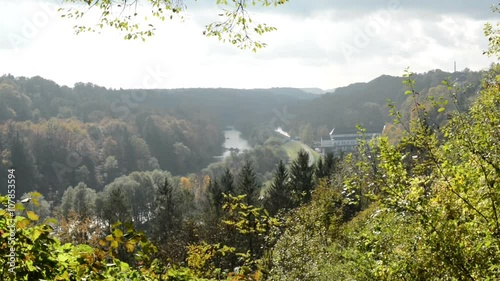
50	221
22	223
32	216
130	247
118	233
36	233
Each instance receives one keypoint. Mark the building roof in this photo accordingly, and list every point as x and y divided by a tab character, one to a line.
354	130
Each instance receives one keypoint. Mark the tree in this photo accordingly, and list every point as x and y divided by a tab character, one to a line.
111	170
14	104
22	160
301	177
81	200
279	195
82	174
247	184
215	197
326	166
165	212
113	205
444	190
227	181
493	35
235	27
320	169
306	134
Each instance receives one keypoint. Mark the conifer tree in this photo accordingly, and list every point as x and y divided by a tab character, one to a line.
164	211
279	194
326	166
301	176
227	182
215	197
247	184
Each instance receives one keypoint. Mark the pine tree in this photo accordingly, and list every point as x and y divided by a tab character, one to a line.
215	196
247	184
301	176
320	169
227	182
326	166
24	163
165	211
279	195
330	163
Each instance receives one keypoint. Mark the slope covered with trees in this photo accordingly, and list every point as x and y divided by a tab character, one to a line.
366	103
59	136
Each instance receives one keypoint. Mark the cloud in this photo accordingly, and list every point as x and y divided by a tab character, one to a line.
321	43
348	9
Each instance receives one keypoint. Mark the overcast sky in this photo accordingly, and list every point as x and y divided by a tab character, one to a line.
319	43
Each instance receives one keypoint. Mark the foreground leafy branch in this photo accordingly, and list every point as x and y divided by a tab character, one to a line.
236	25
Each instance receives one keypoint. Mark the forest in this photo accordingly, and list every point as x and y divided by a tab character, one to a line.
129	184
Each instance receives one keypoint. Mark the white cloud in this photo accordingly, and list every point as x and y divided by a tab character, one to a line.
304	52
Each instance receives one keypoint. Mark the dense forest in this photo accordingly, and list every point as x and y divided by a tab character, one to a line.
96	166
115	184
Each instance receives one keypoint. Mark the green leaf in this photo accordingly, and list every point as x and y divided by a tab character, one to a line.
63	257
441	109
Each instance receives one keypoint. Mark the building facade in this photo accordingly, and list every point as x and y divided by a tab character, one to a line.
345	140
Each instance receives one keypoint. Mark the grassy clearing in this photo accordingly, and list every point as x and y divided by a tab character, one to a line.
292	148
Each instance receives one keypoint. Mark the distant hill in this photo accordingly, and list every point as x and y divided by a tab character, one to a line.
366	103
290	92
316	91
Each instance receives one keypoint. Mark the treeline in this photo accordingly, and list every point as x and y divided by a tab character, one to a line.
58	136
54	154
366	103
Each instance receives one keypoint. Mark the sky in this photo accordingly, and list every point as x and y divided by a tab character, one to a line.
322	43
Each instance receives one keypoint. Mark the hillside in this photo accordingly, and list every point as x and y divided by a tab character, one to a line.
366	103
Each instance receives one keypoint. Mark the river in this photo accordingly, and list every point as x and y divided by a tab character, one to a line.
234	141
